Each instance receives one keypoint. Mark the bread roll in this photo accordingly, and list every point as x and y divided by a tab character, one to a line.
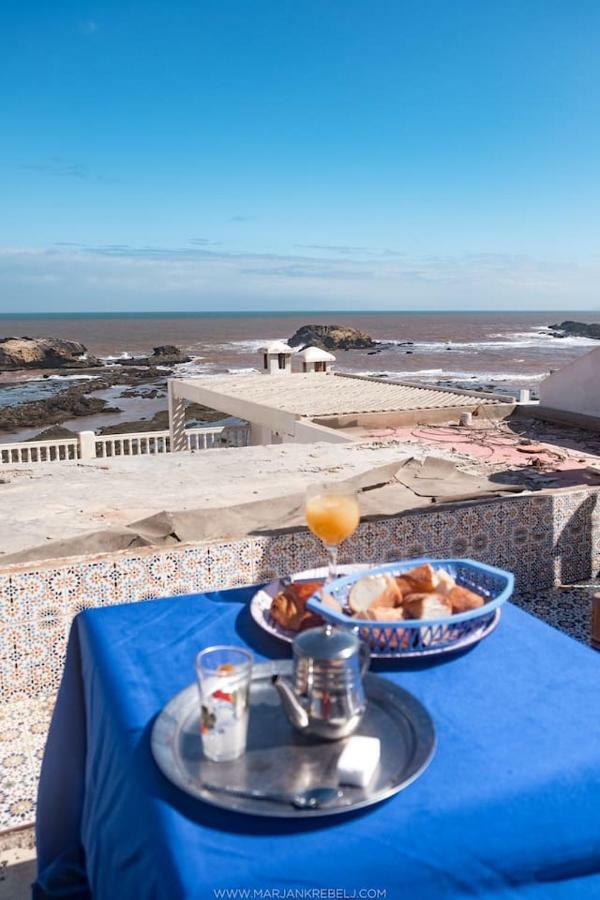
384	614
404	585
462	599
426	606
423	579
374	590
444	582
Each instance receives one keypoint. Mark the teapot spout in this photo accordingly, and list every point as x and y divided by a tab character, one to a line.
291	705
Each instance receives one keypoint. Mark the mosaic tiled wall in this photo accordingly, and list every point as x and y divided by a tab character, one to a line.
543	539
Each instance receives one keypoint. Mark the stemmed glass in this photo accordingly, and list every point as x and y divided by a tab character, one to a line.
332	514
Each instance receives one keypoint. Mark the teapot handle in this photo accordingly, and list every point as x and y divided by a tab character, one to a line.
365	658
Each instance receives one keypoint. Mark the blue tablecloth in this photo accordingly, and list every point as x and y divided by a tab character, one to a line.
509	807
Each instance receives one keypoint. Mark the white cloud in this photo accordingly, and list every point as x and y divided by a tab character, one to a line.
116	276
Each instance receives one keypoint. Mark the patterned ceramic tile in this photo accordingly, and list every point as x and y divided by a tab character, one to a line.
281	554
566	608
137	578
228	564
23	729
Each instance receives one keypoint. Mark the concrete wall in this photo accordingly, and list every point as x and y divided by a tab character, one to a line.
576	387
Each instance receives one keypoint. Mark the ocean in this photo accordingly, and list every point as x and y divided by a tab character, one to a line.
509	350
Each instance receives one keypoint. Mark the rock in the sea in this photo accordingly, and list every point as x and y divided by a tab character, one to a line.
577	329
44	353
332	337
166	355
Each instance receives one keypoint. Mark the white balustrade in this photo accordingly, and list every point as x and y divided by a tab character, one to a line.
40	451
89	446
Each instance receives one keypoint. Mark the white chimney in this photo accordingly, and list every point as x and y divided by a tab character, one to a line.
277	359
316	360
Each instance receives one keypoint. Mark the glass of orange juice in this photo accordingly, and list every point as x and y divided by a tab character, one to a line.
332	514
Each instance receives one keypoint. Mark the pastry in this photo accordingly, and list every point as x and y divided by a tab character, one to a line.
289	610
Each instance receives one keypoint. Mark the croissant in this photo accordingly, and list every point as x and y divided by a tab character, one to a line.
289	606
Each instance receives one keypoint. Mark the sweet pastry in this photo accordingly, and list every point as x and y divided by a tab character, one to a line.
289	610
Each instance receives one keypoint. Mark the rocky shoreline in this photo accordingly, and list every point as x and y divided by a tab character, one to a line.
26	360
142	375
74	402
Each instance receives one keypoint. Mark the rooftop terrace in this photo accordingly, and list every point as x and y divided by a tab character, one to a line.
311	396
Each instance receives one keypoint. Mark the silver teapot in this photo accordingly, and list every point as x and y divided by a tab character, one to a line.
326	698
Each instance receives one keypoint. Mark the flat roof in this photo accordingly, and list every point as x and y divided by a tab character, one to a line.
314	395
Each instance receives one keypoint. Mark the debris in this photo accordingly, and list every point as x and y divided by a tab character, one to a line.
531	448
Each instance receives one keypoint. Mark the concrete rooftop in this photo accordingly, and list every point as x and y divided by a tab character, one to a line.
55	501
315	395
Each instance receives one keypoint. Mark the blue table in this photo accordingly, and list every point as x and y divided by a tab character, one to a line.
510	806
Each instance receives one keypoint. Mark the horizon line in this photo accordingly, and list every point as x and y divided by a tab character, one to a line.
272	312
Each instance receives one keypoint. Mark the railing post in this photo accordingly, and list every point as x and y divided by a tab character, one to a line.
176	420
87	445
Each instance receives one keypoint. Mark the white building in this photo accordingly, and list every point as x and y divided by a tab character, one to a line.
574	389
316	360
277	358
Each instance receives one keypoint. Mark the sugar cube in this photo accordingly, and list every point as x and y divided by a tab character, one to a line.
359	760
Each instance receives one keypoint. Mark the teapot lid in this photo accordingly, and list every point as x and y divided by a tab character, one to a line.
326	643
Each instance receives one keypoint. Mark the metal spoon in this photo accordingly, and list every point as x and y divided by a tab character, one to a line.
313	798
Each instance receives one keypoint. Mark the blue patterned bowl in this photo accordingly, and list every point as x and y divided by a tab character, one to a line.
420	637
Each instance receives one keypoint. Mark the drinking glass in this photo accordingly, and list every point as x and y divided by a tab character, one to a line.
224	680
332	514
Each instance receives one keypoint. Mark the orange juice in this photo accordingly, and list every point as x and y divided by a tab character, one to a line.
332	517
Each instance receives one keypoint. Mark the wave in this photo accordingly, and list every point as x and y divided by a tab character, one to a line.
64	378
445	375
540	336
114	357
537	337
194	367
254	346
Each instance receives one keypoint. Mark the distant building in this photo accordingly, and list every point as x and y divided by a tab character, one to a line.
277	358
316	360
574	389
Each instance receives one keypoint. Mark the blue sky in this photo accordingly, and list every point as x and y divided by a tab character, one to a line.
325	154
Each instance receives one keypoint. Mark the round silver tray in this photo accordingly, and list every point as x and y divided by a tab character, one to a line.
279	759
260	610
